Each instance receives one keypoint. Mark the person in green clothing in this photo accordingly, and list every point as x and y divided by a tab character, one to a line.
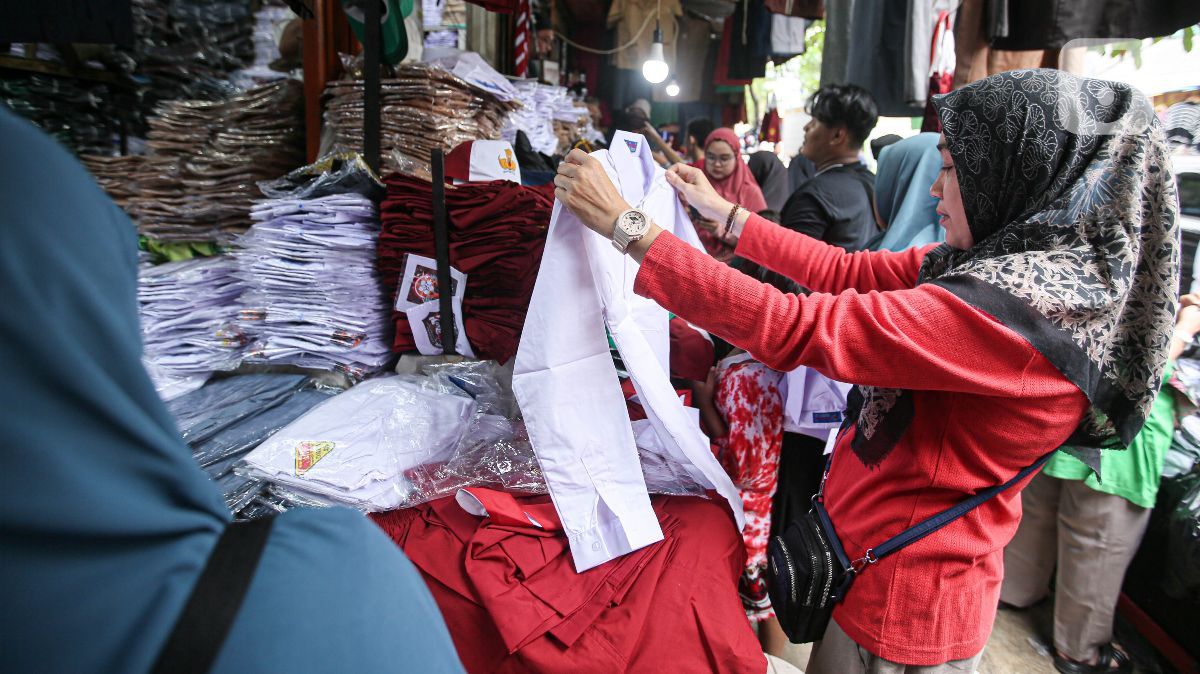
1092	530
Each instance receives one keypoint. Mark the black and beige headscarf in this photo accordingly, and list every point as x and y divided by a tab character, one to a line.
1069	196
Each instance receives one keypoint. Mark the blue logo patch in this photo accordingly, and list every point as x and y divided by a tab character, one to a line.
827	417
633	146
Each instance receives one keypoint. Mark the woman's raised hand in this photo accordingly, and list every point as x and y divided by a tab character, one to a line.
693	185
583	186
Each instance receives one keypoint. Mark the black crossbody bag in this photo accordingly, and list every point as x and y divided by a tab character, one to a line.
808	572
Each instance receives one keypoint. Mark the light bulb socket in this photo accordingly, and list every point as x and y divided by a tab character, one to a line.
657	32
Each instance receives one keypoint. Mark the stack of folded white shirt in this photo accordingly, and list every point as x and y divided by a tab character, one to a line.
355	448
313	298
537	117
188	313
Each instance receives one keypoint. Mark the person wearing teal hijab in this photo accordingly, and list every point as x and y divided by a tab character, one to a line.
105	520
906	171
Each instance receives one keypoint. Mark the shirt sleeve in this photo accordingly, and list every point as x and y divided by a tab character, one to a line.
922	338
824	268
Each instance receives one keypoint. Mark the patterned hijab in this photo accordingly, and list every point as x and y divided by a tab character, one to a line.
1065	183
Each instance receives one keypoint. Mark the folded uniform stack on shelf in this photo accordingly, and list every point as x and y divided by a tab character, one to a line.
550	117
197	183
186	49
313	298
188	311
424	108
115	174
77	112
497	233
269	20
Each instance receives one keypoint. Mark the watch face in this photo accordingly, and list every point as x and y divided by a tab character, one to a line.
634	222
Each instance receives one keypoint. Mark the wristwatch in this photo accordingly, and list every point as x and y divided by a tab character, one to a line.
631	226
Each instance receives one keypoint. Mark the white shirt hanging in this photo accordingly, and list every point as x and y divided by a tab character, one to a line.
566	382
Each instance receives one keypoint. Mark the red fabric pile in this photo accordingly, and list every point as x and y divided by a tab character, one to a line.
514	603
497	234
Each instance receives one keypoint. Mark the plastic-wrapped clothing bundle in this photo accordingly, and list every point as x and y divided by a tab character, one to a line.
497	233
313	298
425	107
197	181
187	48
219	453
495	450
187	313
224	402
84	116
355	447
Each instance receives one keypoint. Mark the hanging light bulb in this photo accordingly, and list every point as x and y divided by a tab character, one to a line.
673	89
655	68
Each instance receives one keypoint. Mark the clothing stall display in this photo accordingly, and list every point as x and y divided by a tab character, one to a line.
497	231
265	67
186	49
113	174
85	116
96	465
197	181
514	603
188	311
974	56
566	381
425	107
1051	24
313	298
542	106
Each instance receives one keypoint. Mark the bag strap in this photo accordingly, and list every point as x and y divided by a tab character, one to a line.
930	524
205	621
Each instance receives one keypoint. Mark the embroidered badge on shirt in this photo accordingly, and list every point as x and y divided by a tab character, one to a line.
633	146
309	452
507	162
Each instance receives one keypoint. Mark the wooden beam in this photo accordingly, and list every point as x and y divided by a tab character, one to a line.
325	36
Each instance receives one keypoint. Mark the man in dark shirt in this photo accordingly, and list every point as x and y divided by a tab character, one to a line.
836	204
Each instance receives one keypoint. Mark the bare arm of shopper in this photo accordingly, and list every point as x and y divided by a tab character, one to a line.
1186	325
661	145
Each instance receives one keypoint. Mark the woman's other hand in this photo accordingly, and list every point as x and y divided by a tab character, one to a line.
710	226
583	186
693	185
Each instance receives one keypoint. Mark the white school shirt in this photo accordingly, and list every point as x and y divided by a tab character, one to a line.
355	447
813	404
567	385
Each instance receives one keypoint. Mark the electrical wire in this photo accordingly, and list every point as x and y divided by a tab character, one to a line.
614	50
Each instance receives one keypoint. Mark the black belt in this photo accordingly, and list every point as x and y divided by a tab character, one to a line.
201	628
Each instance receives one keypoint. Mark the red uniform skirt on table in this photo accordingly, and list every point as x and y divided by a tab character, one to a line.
513	601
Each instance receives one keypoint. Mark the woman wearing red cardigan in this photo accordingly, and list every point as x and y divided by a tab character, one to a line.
1043	320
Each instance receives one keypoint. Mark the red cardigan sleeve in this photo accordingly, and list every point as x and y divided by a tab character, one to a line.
819	266
922	338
